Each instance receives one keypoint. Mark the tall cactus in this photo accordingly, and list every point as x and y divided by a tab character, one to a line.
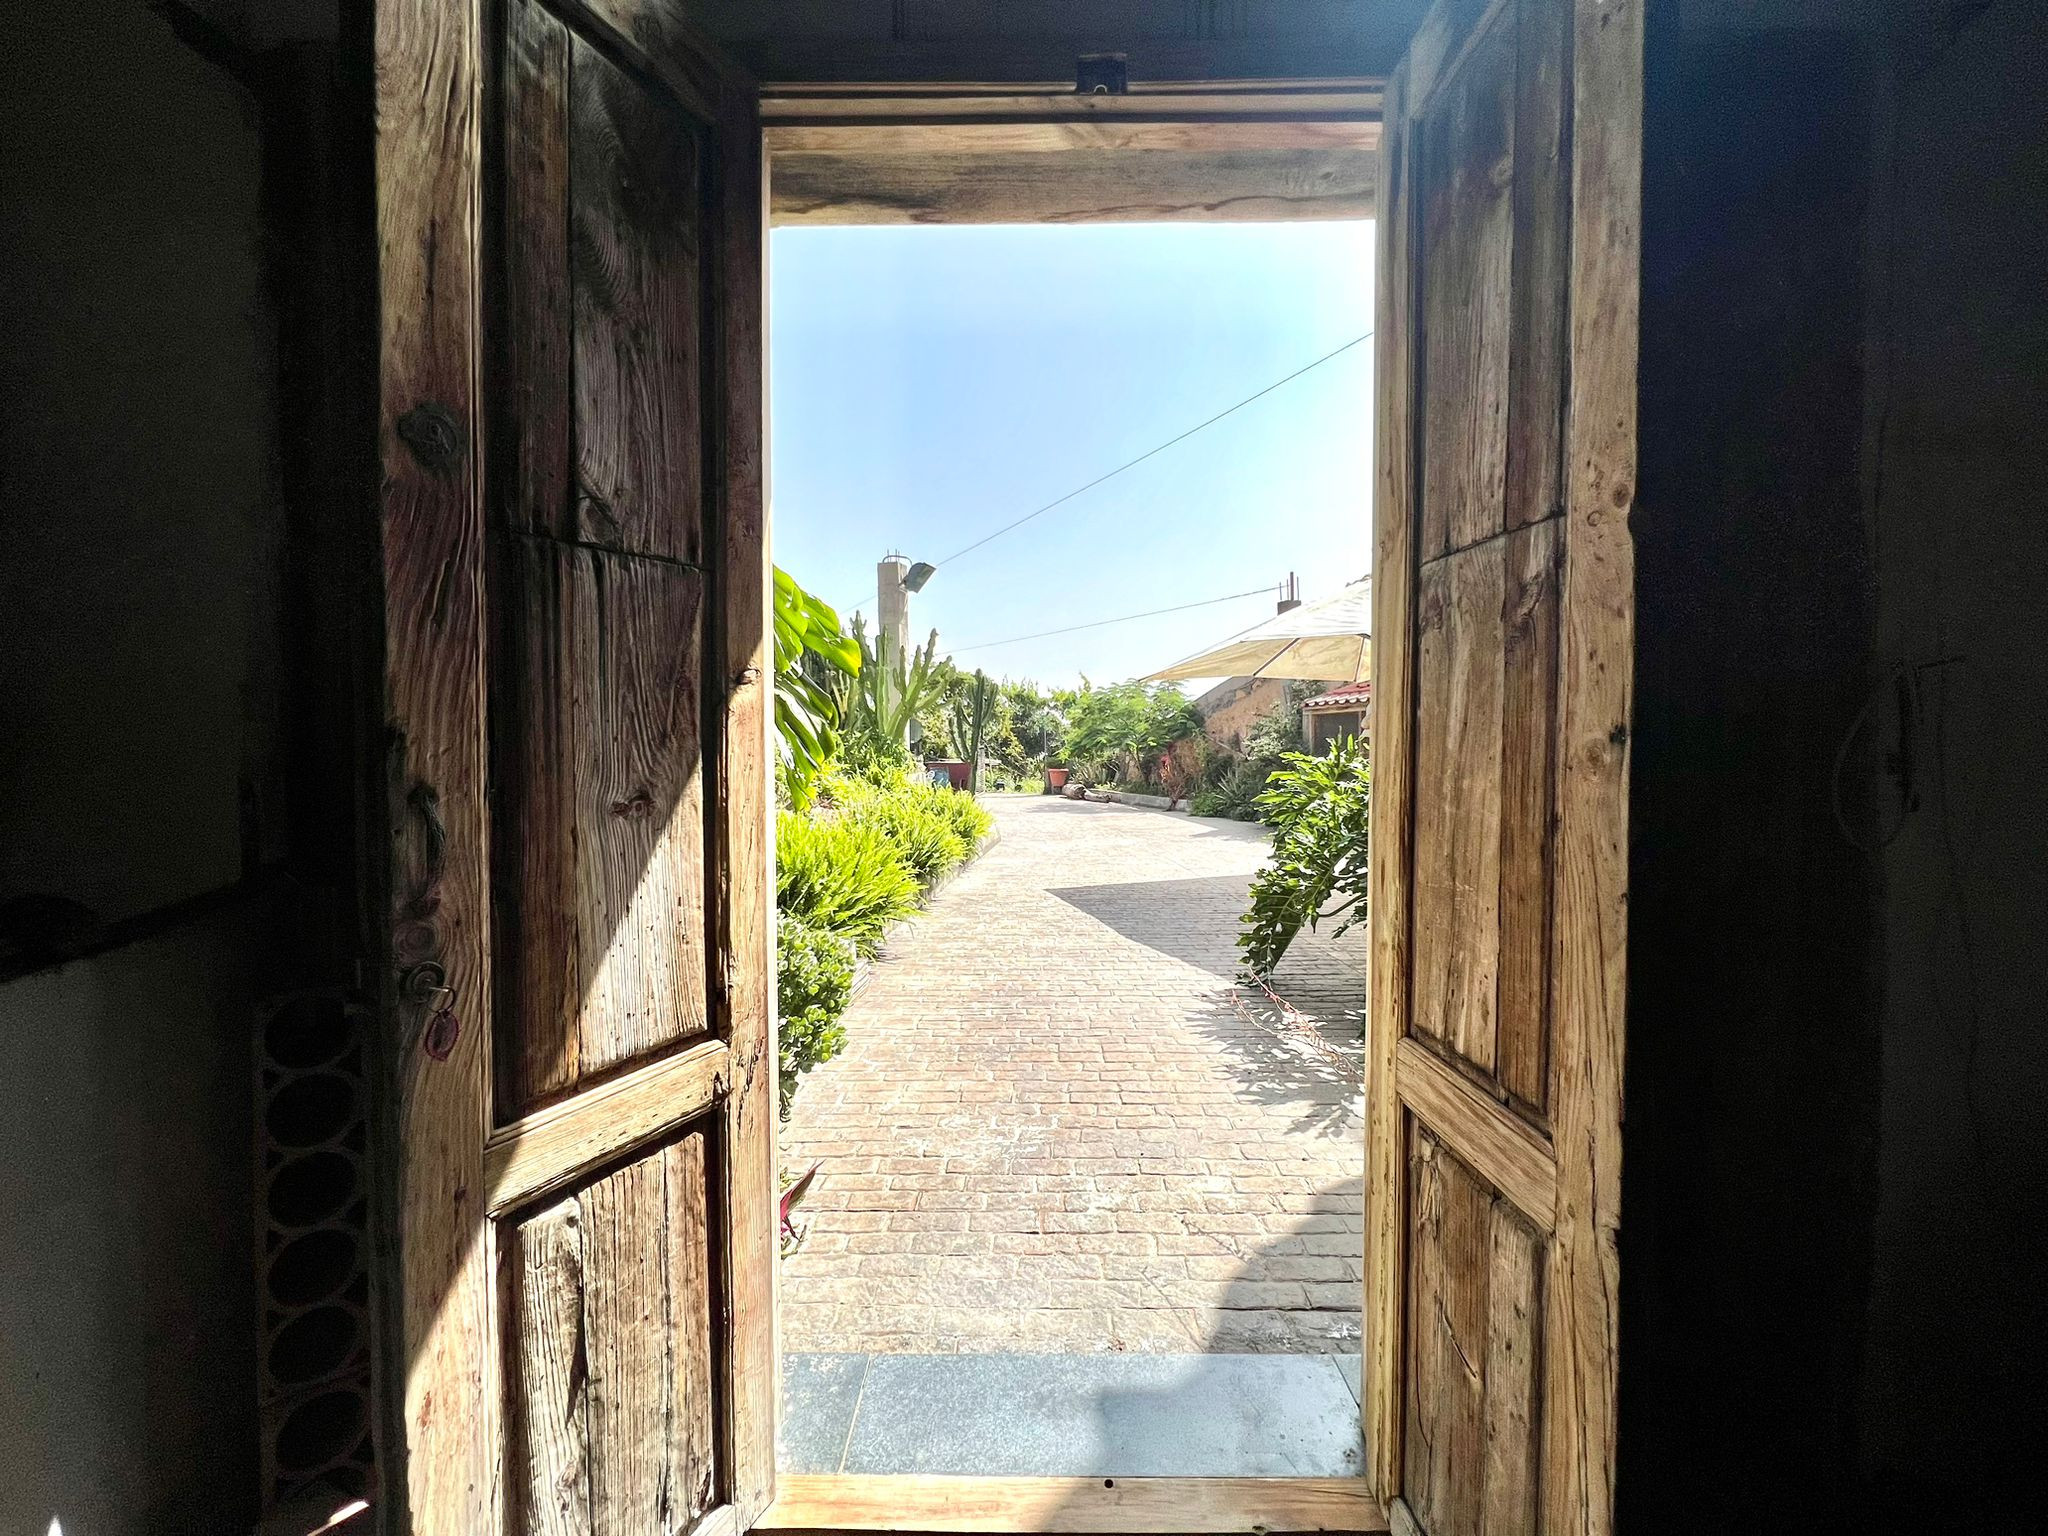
970	719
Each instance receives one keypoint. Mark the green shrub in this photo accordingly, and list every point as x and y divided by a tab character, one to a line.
813	983
921	832
970	821
834	872
1318	808
1236	794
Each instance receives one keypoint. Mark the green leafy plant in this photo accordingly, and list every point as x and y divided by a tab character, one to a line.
811	652
922	833
970	820
1318	807
1236	793
813	984
833	872
935	827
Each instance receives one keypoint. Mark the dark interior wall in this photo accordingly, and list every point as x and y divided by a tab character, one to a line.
138	468
1040	40
1957	1342
142	679
1832	1309
1752	1092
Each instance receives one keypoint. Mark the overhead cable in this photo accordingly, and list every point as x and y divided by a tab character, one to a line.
1207	602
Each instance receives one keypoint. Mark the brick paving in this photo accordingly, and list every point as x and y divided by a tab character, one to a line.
1054	1130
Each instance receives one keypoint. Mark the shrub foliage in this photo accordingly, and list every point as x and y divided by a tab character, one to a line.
813	983
1318	809
843	873
836	873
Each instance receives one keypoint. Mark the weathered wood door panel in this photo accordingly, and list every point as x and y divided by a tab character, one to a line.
1510	169
580	1254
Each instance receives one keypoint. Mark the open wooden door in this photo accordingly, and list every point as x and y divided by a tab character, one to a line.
580	1224
1503	630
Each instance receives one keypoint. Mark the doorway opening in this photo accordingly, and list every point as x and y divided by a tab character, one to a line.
1068	1194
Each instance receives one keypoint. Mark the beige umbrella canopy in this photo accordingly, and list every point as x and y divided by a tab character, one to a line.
1330	641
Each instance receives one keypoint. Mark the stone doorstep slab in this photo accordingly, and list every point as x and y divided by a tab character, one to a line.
1111	1415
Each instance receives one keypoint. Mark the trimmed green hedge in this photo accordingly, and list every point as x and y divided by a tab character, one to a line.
839	874
843	874
813	984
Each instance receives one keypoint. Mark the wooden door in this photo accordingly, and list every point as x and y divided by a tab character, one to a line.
1510	171
580	1248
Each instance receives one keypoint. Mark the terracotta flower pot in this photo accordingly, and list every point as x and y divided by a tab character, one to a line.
1056	777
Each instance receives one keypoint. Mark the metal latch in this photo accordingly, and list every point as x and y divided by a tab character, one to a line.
1102	74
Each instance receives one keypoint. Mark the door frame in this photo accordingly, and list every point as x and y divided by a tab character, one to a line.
864	133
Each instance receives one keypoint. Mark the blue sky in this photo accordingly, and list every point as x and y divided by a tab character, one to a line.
931	384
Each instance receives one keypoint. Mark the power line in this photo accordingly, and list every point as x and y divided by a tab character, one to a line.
1207	602
1150	452
1141	458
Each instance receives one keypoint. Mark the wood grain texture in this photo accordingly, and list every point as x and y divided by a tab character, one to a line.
929	138
1026	62
538	432
635	216
1459	667
437	1273
1446	1338
626	1340
1541	238
1122	1506
1393	799
1508	1484
1465	196
1474	1337
1518	717
1074	187
691	1448
612	1427
1527	735
1030	108
601	910
549	1479
560	1144
662	40
1447	29
1493	1140
741	811
1597	622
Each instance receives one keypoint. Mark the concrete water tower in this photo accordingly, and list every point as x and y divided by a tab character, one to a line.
895	579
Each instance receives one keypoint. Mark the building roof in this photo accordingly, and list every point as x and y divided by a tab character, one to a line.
1350	696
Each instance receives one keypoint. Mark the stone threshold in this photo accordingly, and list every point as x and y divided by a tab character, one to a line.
1109	1415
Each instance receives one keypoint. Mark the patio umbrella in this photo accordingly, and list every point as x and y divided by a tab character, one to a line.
1329	640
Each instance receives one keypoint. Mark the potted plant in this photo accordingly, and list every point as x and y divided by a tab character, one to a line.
1055	780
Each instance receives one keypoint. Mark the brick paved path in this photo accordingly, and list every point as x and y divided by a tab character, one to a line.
1052	1129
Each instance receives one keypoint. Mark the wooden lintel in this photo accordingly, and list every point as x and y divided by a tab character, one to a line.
1078	1506
1077	187
1042	136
